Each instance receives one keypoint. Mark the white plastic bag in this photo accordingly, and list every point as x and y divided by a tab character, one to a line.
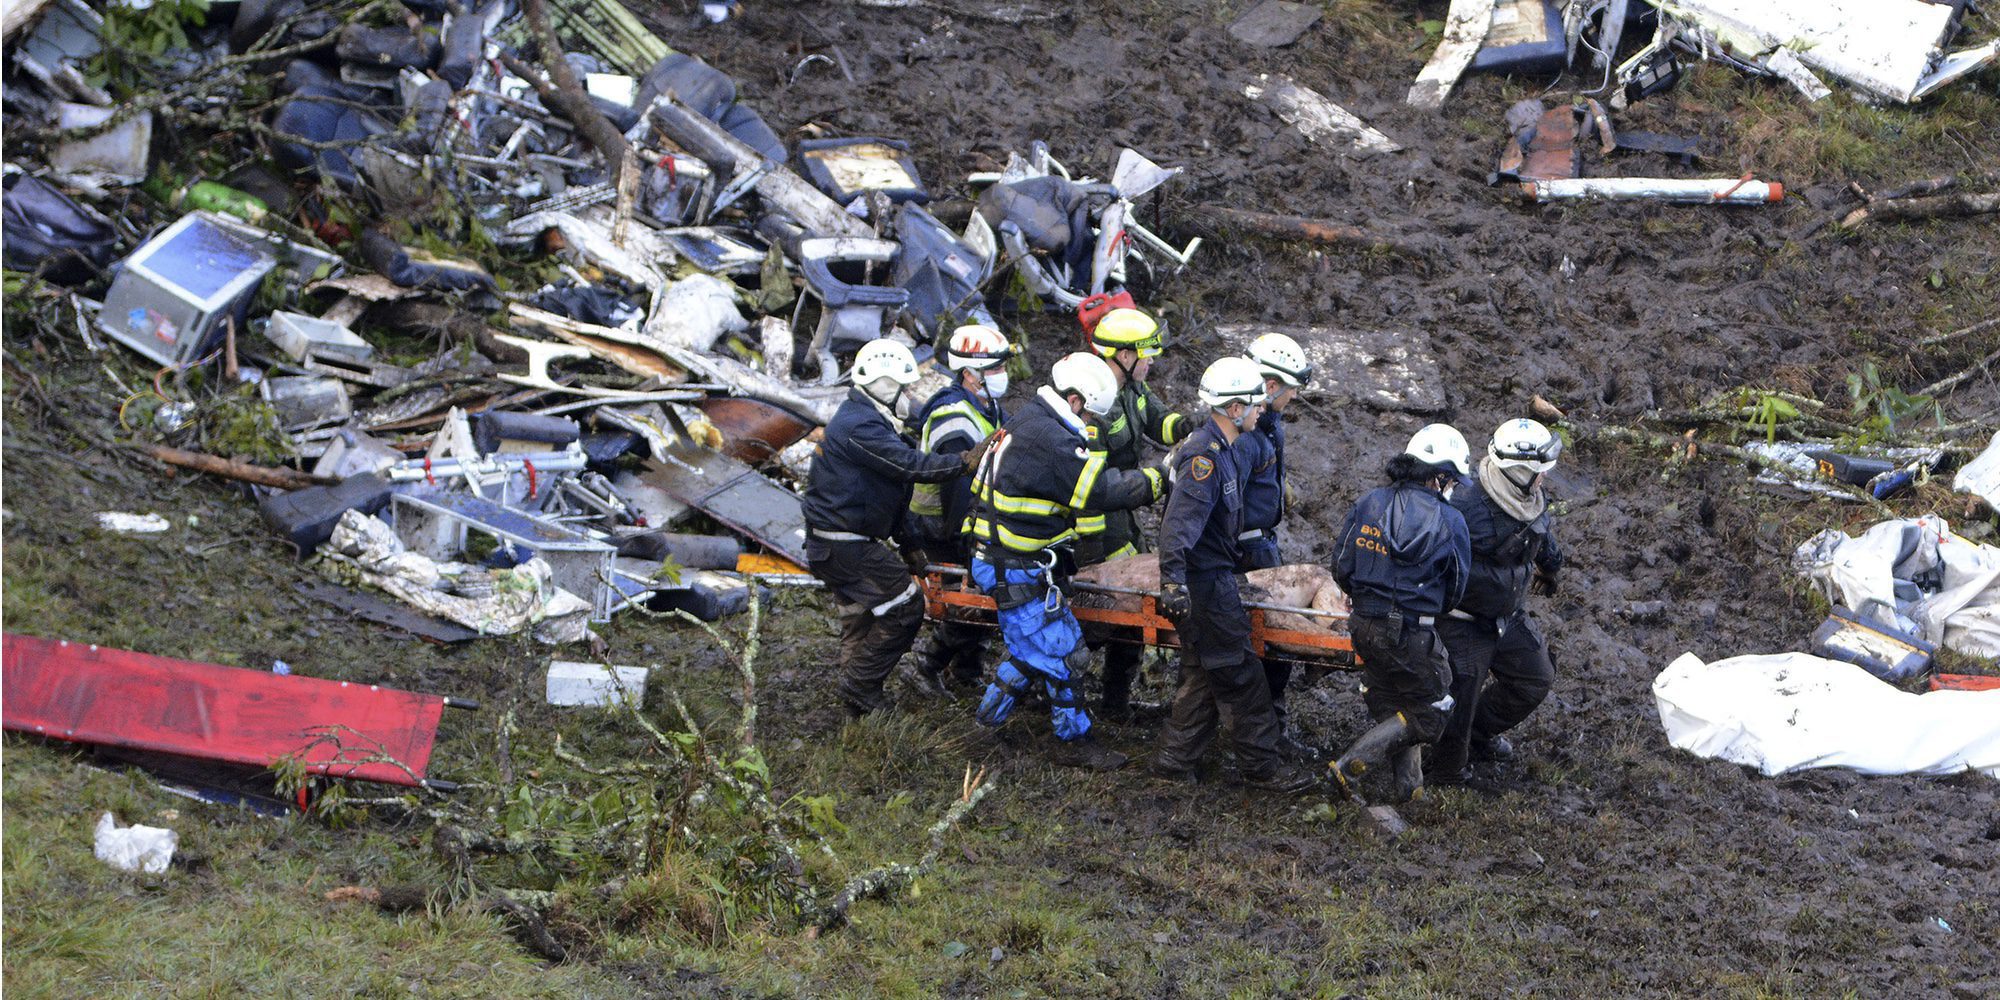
134	848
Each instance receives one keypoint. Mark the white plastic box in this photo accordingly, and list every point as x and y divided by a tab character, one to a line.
595	684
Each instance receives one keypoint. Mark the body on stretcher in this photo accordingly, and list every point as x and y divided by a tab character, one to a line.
948	595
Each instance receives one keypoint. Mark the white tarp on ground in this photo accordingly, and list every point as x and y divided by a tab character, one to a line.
1790	711
1915	575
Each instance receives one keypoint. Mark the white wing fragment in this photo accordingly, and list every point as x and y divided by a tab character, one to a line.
1319	119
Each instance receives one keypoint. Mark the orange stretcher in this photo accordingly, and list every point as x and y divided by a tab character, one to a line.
946	597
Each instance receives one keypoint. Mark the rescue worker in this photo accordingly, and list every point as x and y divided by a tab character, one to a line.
1514	552
1284	368
1200	548
856	492
1129	340
1040	490
1402	557
953	420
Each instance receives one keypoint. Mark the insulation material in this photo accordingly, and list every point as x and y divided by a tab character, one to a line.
1790	711
365	550
1913	575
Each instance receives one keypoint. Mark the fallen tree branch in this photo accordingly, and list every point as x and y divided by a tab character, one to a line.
562	91
892	878
1964	331
1923	208
1299	228
1952	381
229	468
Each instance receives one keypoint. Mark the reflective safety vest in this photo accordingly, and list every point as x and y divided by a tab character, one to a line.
952	422
1041	484
1137	412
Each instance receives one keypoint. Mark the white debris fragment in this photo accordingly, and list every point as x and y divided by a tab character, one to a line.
132	524
134	848
1321	120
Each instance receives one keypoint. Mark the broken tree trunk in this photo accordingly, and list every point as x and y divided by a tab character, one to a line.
1943	206
1293	227
262	475
561	90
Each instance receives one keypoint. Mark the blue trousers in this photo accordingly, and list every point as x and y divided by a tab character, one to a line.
1041	636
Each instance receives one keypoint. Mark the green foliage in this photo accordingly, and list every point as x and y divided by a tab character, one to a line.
136	38
1886	409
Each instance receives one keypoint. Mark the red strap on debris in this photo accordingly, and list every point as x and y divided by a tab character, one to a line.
94	694
530	466
428	478
1745	179
673	174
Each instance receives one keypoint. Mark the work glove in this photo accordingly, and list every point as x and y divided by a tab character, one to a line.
977	453
915	559
1174	601
1543	585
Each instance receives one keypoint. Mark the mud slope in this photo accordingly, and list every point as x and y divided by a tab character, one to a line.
1658	872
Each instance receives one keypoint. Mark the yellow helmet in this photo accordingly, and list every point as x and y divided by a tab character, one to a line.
1126	329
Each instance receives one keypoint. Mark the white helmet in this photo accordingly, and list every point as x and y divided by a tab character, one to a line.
1440	444
1523	449
1281	358
1231	380
884	358
977	345
1088	376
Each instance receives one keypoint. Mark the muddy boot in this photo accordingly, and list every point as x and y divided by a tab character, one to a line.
1121	663
1089	754
1495	750
1448	762
1285	779
1409	769
1165	770
1364	771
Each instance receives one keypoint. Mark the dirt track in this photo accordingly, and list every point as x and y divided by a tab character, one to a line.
1651	871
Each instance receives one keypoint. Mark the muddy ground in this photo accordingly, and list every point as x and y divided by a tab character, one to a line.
1607	863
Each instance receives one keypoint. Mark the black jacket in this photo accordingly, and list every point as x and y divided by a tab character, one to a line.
1205	511
862	471
1403	548
1263	452
1042	485
1505	553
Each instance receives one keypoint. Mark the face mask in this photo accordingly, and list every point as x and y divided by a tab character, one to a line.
1448	488
996	385
1521	476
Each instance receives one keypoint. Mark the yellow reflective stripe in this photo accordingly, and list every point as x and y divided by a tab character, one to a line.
1153	477
992	530
1090	524
927	499
1093	466
1171	430
1127	549
1006	504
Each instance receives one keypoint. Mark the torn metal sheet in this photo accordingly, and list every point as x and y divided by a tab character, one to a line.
1981	476
1274	23
613	345
1382	369
1465	30
114	157
1321	120
1889	49
735	495
362	604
